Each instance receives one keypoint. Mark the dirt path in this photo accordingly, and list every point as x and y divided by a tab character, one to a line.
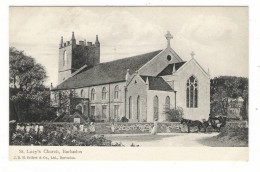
162	139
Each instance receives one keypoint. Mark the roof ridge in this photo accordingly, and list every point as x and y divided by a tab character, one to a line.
129	57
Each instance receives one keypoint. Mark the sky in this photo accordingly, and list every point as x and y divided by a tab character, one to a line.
217	35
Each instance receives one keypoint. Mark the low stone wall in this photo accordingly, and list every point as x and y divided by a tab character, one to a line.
241	124
132	128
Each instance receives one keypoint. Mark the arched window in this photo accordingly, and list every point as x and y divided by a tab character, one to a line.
138	108
79	108
192	92
155	108
116	92
64	61
93	94
104	93
82	93
130	107
167	103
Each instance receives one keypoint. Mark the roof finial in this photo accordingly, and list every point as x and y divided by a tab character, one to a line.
97	41
61	41
73	37
168	36
192	54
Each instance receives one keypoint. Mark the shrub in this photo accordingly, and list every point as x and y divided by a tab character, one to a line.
124	119
174	115
57	135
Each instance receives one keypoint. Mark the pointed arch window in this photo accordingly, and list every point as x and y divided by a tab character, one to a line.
64	61
82	93
93	94
104	93
130	107
138	108
116	92
167	103
192	92
155	108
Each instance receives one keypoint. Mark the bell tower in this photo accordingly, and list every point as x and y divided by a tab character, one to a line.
73	56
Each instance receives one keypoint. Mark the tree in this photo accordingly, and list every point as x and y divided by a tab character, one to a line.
225	87
29	98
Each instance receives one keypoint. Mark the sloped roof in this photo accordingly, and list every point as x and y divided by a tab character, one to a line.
109	72
157	83
69	118
169	69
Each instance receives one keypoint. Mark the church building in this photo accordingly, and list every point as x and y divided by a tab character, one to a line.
141	88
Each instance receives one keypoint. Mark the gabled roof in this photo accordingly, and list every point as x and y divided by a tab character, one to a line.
169	69
193	60
109	72
157	83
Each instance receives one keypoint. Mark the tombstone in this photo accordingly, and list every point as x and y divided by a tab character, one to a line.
27	128
41	128
22	128
81	128
36	128
76	120
17	127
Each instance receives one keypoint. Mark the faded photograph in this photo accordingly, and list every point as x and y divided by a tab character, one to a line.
128	76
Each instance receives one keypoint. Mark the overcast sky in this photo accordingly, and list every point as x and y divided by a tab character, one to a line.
217	35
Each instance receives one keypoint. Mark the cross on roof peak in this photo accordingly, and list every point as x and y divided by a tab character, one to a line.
168	36
192	54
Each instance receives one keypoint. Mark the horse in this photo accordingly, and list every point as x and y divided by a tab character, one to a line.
217	122
191	123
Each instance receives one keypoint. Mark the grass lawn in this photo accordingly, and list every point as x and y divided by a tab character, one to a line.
228	137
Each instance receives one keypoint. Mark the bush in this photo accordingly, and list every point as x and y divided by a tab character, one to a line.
174	115
57	135
124	119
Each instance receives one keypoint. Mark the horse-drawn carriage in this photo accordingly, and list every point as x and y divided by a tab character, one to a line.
216	123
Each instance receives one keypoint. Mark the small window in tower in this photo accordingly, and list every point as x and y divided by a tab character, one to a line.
64	61
169	57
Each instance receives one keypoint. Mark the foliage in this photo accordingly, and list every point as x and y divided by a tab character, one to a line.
234	136
29	98
57	135
124	119
225	87
174	115
65	98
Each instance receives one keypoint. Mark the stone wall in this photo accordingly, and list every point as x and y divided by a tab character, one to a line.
133	128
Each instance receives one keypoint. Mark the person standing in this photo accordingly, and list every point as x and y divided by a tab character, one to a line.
92	128
155	127
112	127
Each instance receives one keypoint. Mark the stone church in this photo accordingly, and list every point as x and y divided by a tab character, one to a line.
140	88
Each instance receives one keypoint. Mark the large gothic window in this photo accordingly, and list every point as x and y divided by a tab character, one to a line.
104	93
93	94
155	108
64	61
116	92
192	92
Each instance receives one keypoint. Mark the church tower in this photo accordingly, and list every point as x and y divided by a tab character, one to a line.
73	56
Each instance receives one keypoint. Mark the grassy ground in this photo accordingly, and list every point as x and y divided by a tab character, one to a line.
228	137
